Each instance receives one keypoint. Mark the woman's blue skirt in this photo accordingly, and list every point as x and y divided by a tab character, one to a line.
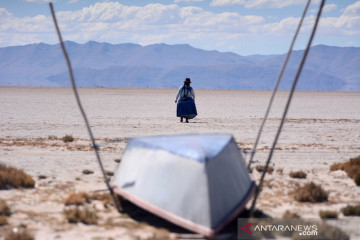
186	109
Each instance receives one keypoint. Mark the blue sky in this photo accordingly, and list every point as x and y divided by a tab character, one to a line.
241	26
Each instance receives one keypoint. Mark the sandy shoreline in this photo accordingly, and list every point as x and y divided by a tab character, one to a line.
322	128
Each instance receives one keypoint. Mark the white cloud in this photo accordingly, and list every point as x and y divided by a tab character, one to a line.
347	24
4	14
226	2
113	22
258	3
40	1
187	1
73	1
353	10
156	17
329	7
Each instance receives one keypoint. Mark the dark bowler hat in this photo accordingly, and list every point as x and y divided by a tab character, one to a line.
187	80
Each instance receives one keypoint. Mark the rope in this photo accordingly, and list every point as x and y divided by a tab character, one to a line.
95	147
277	86
288	104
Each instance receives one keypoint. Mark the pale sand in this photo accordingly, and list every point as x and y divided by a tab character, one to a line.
322	128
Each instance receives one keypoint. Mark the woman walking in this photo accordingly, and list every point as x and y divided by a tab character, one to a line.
186	105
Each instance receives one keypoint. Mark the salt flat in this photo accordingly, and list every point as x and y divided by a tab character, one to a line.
321	128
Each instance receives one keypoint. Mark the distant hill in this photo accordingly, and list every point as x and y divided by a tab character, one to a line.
165	66
340	62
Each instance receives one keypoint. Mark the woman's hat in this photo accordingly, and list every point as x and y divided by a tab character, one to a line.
187	80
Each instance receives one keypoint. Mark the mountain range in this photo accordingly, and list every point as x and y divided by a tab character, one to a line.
166	66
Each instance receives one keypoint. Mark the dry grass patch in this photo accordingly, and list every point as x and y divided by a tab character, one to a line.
351	210
311	192
280	171
261	168
4	212
337	166
3	220
81	214
67	138
79	147
161	234
4	209
41	143
52	142
14	178
357	179
76	199
52	137
82	198
298	174
87	171
22	234
352	168
289	214
328	214
105	198
326	231
40	177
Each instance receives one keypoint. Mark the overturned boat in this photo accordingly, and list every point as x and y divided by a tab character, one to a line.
197	181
